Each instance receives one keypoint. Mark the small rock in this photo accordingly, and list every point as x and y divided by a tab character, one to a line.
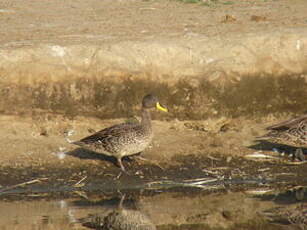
227	214
258	18
228	18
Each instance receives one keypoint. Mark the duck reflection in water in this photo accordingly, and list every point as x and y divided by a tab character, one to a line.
292	215
121	218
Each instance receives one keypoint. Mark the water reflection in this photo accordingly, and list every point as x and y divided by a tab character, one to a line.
34	215
121	218
286	196
293	215
189	210
292	209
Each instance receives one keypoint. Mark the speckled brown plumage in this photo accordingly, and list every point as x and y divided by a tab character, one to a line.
290	132
124	139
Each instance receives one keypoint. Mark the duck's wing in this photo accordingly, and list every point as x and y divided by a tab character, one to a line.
109	137
289	124
291	132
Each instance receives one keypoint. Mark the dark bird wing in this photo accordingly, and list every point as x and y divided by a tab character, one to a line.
288	124
292	131
115	131
111	137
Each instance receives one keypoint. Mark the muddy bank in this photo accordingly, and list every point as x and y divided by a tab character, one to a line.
49	176
37	146
249	96
41	139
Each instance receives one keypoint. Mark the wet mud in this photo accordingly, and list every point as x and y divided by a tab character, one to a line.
190	172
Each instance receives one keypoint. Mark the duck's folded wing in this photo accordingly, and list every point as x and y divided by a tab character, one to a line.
288	124
108	135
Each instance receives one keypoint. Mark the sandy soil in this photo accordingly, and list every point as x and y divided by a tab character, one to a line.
28	140
101	21
163	39
42	140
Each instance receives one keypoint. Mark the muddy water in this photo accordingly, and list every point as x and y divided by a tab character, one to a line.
182	209
200	192
196	200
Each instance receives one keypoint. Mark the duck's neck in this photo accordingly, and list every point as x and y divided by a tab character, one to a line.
146	119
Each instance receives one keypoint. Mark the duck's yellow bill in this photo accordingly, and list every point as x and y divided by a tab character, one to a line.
160	107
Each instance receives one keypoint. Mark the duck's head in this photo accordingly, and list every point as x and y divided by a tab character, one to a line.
151	101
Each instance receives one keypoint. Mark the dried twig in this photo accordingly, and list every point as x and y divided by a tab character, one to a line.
79	183
23	184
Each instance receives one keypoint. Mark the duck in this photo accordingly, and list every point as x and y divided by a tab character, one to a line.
292	132
125	139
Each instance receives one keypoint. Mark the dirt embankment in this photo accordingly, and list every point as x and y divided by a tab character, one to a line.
233	67
99	57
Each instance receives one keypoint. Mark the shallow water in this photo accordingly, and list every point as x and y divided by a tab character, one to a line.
240	195
258	207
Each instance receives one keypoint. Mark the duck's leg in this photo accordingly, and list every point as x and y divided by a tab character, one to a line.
120	205
120	163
